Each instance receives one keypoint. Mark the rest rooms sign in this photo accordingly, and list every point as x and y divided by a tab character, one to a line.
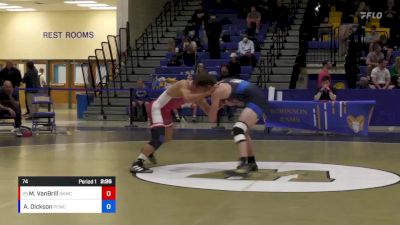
68	35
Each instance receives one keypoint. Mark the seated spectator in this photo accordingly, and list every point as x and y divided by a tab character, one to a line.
395	70
374	57
175	61
372	37
387	49
396	85
224	73
325	92
172	46
363	83
140	97
380	76
190	30
189	52
9	104
324	72
246	52
234	66
200	69
12	74
254	17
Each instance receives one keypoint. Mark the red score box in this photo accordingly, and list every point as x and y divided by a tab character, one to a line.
108	193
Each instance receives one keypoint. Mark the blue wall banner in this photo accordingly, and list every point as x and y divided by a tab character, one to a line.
347	117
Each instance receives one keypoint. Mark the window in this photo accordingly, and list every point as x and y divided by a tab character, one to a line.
60	74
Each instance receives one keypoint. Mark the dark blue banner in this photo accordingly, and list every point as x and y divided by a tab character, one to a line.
348	117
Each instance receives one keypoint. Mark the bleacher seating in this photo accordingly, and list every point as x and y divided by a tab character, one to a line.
183	69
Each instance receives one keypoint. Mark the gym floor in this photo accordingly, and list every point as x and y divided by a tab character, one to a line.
108	149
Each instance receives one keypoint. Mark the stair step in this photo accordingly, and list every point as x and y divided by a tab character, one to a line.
282	70
113	102
283	62
280	78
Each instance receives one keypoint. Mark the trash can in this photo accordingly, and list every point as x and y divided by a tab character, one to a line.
82	103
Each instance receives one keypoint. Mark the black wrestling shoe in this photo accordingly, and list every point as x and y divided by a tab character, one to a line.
253	167
152	158
240	173
138	167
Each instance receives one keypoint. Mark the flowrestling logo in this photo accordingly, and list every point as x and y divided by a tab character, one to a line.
373	15
272	177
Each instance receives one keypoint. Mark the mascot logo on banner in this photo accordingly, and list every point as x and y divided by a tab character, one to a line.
356	123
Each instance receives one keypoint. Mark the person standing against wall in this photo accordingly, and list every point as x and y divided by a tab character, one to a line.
214	30
31	80
42	78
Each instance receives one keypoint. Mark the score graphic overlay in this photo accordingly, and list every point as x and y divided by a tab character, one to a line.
66	195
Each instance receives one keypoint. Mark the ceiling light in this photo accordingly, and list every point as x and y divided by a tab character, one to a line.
93	5
21	10
3	4
104	8
80	2
10	7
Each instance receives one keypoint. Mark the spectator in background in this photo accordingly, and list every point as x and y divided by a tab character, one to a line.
325	92
31	80
224	73
214	30
390	17
12	74
189	52
234	66
42	78
374	57
246	52
190	30
140	98
345	31
172	46
363	83
254	17
380	76
9	104
351	62
200	18
396	85
200	69
395	69
281	16
326	66
264	7
372	37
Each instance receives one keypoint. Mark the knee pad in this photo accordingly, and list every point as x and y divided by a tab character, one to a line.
157	137
238	132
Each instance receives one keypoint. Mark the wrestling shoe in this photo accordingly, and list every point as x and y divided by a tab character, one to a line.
253	167
139	167
152	158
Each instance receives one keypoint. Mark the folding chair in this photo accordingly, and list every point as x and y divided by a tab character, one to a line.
47	118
